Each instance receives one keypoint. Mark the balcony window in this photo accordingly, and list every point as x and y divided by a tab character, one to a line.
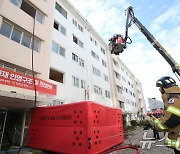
36	45
26	40
29	9
26	7
6	29
39	17
54	47
17	2
75	81
58	49
16	35
61	10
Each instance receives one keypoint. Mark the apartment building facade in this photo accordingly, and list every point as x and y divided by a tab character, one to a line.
78	55
50	55
25	45
127	90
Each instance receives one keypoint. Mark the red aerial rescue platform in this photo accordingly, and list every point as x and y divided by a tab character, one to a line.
81	128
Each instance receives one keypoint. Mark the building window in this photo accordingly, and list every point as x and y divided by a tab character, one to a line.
56	26
95	55
63	30
61	10
95	42
26	40
39	17
56	76
36	45
60	28
74	22
58	49
83	84
80	28
115	63
74	57
118	76
107	93
102	50
96	71
55	47
97	90
78	42
75	39
18	35
6	29
104	63
62	51
77	25
21	70
29	9
119	89
91	39
17	2
81	62
106	78
121	104
75	81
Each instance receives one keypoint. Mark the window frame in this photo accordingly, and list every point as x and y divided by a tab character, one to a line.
75	81
59	49
30	13
61	10
22	34
75	57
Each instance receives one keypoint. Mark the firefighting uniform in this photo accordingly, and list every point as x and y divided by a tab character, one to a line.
170	122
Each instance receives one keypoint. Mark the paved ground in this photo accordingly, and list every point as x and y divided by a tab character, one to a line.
155	146
134	138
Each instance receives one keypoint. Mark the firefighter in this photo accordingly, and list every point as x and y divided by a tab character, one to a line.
170	122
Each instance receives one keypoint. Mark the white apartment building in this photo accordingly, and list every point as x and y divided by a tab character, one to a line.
68	58
128	91
78	57
49	42
139	96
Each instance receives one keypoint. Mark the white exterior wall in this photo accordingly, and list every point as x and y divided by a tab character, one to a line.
65	90
130	101
132	94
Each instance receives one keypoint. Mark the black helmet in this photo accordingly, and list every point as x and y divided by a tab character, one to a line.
165	82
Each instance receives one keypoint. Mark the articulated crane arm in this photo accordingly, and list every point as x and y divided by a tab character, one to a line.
118	43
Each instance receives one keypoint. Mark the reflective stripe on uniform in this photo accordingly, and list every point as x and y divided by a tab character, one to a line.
174	110
172	143
159	124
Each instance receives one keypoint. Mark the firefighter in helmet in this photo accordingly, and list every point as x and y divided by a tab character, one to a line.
170	122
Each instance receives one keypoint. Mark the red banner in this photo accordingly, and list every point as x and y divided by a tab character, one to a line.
10	78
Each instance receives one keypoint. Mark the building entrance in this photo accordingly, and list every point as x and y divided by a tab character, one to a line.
13	127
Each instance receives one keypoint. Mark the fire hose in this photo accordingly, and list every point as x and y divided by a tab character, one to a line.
123	147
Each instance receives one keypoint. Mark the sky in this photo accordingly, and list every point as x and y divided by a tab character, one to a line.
160	17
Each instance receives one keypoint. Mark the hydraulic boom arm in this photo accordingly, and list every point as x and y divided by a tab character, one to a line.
119	47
